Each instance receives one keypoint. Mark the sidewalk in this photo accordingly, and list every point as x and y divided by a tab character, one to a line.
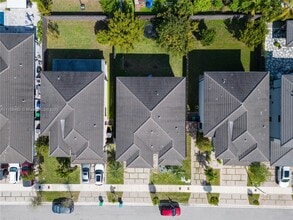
148	188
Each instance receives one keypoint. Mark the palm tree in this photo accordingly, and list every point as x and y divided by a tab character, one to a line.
111	155
116	169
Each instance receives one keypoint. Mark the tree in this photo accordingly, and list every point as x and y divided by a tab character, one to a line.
174	28
258	173
116	170
286	11
269	9
234	5
64	169
109	6
202	5
44	7
111	155
211	175
207	36
254	33
218	4
203	143
124	30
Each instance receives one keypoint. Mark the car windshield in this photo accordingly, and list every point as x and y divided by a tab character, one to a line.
12	169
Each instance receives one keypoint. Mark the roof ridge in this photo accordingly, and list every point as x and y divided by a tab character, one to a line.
133	94
168	94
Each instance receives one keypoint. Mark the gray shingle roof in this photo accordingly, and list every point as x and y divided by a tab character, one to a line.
72	113
287	109
236	106
289	33
17	97
282	150
150	119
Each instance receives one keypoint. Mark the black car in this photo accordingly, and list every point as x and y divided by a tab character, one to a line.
63	206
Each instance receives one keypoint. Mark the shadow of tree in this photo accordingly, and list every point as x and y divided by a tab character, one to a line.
201	157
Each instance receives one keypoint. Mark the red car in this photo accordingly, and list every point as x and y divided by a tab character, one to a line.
170	210
26	167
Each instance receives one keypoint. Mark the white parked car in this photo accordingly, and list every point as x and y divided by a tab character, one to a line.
99	174
14	173
284	176
85	171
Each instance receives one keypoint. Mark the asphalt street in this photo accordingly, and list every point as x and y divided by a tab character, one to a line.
24	212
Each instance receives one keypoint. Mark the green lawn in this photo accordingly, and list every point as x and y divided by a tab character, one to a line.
114	198
50	196
114	177
165	179
49	176
78	37
74	6
186	164
225	54
175	196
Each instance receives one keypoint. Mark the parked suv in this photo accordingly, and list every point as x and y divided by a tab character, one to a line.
14	172
85	173
284	176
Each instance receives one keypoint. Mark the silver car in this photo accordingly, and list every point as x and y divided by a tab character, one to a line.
85	173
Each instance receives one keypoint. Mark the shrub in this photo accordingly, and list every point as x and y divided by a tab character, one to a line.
277	44
258	173
203	143
214	200
255	202
40	31
156	200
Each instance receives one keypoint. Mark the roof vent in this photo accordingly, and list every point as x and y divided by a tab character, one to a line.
75	138
23	100
58	77
20	64
159	116
291	93
223	80
151	131
156	92
95	125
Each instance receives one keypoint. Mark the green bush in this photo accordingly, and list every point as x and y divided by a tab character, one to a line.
211	175
255	202
258	173
40	31
213	198
156	200
203	143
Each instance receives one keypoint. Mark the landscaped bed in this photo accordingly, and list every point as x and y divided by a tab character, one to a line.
113	197
50	196
49	175
174	176
174	196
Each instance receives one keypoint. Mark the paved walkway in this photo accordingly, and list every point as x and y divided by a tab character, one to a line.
147	188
